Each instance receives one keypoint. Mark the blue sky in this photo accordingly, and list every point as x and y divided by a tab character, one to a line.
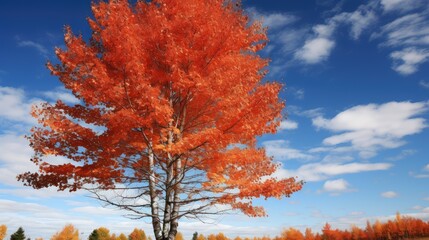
357	92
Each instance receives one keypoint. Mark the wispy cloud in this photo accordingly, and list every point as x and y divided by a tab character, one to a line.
389	194
404	154
408	60
321	171
371	127
298	93
424	84
308	113
400	5
318	47
39	47
424	173
272	20
281	151
408	32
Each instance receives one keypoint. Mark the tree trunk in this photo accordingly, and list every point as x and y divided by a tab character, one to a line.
154	201
176	203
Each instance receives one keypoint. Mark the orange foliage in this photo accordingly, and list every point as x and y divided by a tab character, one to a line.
69	232
177	80
201	237
137	234
121	237
292	234
103	233
3	230
400	228
412	228
179	236
221	236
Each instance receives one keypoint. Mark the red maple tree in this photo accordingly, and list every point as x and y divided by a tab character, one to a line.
172	101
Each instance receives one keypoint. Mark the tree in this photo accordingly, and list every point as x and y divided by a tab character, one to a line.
69	232
103	233
221	236
171	103
18	235
137	234
3	231
201	237
292	234
195	236
309	235
378	229
122	237
93	235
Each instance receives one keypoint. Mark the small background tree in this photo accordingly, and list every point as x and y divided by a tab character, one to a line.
137	234
69	232
3	231
93	235
18	235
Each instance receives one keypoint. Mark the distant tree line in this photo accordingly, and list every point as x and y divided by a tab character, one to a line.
402	227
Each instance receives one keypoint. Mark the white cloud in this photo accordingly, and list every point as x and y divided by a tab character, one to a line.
400	5
319	47
408	60
281	151
359	20
336	186
389	194
15	106
273	20
320	171
426	168
288	125
407	31
290	39
278	20
61	94
15	158
371	127
315	50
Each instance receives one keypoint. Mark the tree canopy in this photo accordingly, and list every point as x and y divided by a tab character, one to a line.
172	99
